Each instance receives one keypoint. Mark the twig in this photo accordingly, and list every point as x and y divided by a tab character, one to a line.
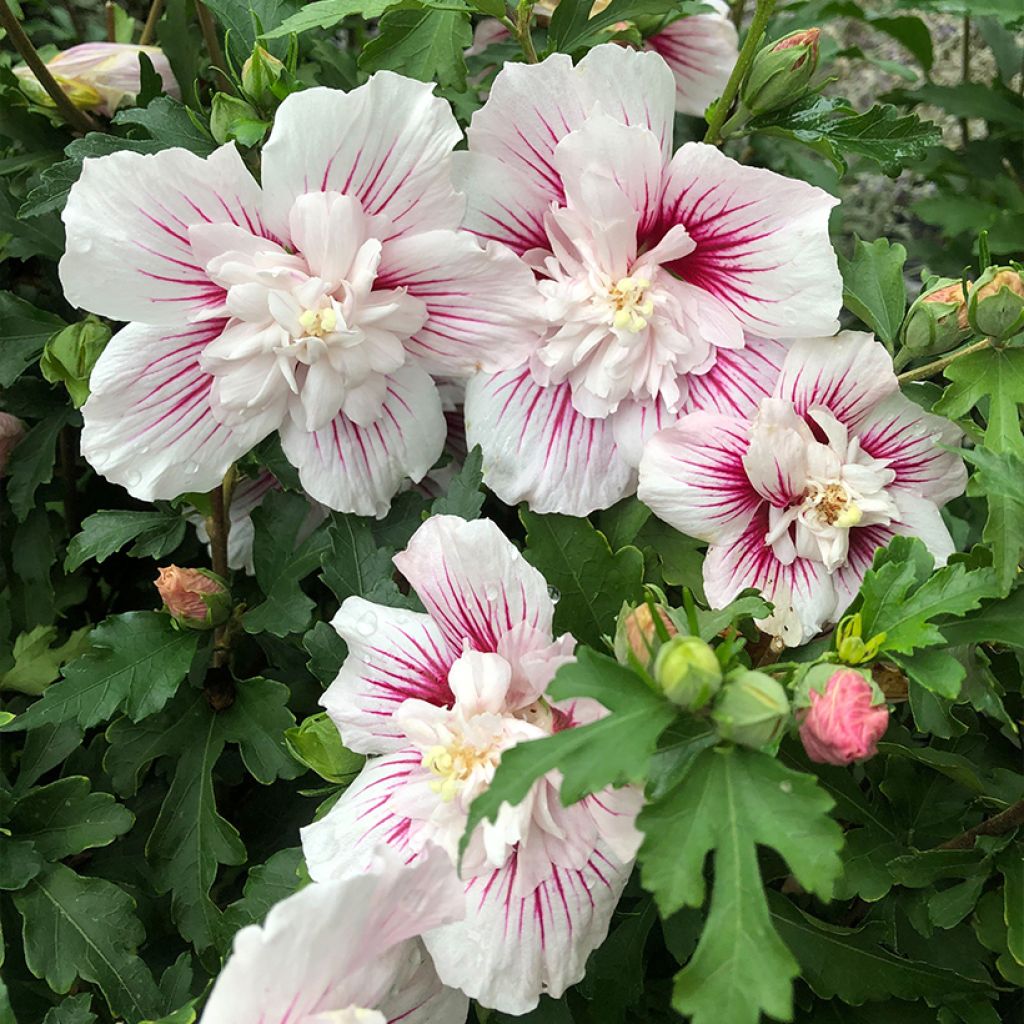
209	29
762	13
111	21
930	369
67	471
965	75
156	8
76	118
1000	824
217	527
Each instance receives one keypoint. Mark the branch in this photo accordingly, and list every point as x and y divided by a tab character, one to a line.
930	369
1005	821
155	10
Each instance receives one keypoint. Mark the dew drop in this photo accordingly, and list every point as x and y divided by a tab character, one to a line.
367	624
491	592
133	477
554	593
786	787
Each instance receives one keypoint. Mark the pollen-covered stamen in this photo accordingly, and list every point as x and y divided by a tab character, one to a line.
834	504
631	304
318	323
455	764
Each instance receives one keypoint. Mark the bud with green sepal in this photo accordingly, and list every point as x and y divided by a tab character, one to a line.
688	672
751	710
194	598
995	308
640	632
70	355
850	647
264	78
234	120
937	320
780	73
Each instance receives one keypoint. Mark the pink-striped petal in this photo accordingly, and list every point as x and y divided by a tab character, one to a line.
422	998
738	379
634	423
848	375
532	107
537	448
360	469
864	542
701	50
128	255
473	582
692	476
387	142
148	424
899	431
393	654
762	242
483	305
776	461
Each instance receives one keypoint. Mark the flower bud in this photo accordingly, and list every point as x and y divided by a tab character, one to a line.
234	120
688	672
70	355
996	305
937	320
850	646
844	723
12	430
781	73
195	598
99	76
260	73
637	634
752	709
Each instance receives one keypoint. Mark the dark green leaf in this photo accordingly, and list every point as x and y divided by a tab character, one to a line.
168	123
574	26
873	286
237	18
103	533
355	565
23	334
463	496
31	462
20	862
326	652
327	14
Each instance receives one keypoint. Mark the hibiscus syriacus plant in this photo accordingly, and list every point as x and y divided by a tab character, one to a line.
492	529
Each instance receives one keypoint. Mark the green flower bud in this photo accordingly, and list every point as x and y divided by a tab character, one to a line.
688	672
637	634
851	648
996	305
234	120
937	321
751	710
780	74
194	598
70	355
260	73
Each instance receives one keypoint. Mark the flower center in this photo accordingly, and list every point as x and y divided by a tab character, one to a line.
455	764
631	304
833	504
318	322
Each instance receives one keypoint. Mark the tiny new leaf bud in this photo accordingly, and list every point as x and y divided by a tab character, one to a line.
752	709
70	355
234	120
195	598
688	672
937	320
850	647
996	305
260	73
781	73
637	634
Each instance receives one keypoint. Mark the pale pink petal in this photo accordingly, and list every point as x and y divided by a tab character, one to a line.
537	448
802	591
483	305
701	50
692	477
908	439
359	469
487	31
738	379
127	218
847	374
634	423
387	142
920	518
776	461
513	946
421	998
393	654
148	424
533	106
762	242
473	582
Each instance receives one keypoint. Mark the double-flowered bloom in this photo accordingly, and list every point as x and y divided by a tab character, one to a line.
796	498
437	698
318	304
664	279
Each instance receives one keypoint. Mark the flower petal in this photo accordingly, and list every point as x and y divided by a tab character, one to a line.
899	431
920	518
422	998
473	582
776	461
537	448
480	301
692	476
533	106
739	378
148	424
762	243
802	592
393	654
847	375
863	543
359	469
128	254
387	142
701	50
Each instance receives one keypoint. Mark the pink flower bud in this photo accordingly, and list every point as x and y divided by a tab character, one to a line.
196	598
843	724
12	430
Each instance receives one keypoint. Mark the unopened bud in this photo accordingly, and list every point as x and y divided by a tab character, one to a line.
70	355
195	598
996	305
688	672
12	430
781	73
752	710
850	645
260	73
937	321
234	120
637	633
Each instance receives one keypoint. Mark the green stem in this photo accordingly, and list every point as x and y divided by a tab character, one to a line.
209	30
520	29
931	369
149	29
762	13
76	118
737	11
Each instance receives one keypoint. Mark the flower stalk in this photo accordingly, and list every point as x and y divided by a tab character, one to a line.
78	119
217	527
156	8
519	26
931	369
209	30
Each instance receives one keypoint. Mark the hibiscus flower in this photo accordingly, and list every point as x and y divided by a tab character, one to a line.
795	500
318	305
659	274
346	952
437	697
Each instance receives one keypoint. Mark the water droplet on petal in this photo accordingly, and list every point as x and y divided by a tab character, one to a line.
491	592
367	624
554	593
133	477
